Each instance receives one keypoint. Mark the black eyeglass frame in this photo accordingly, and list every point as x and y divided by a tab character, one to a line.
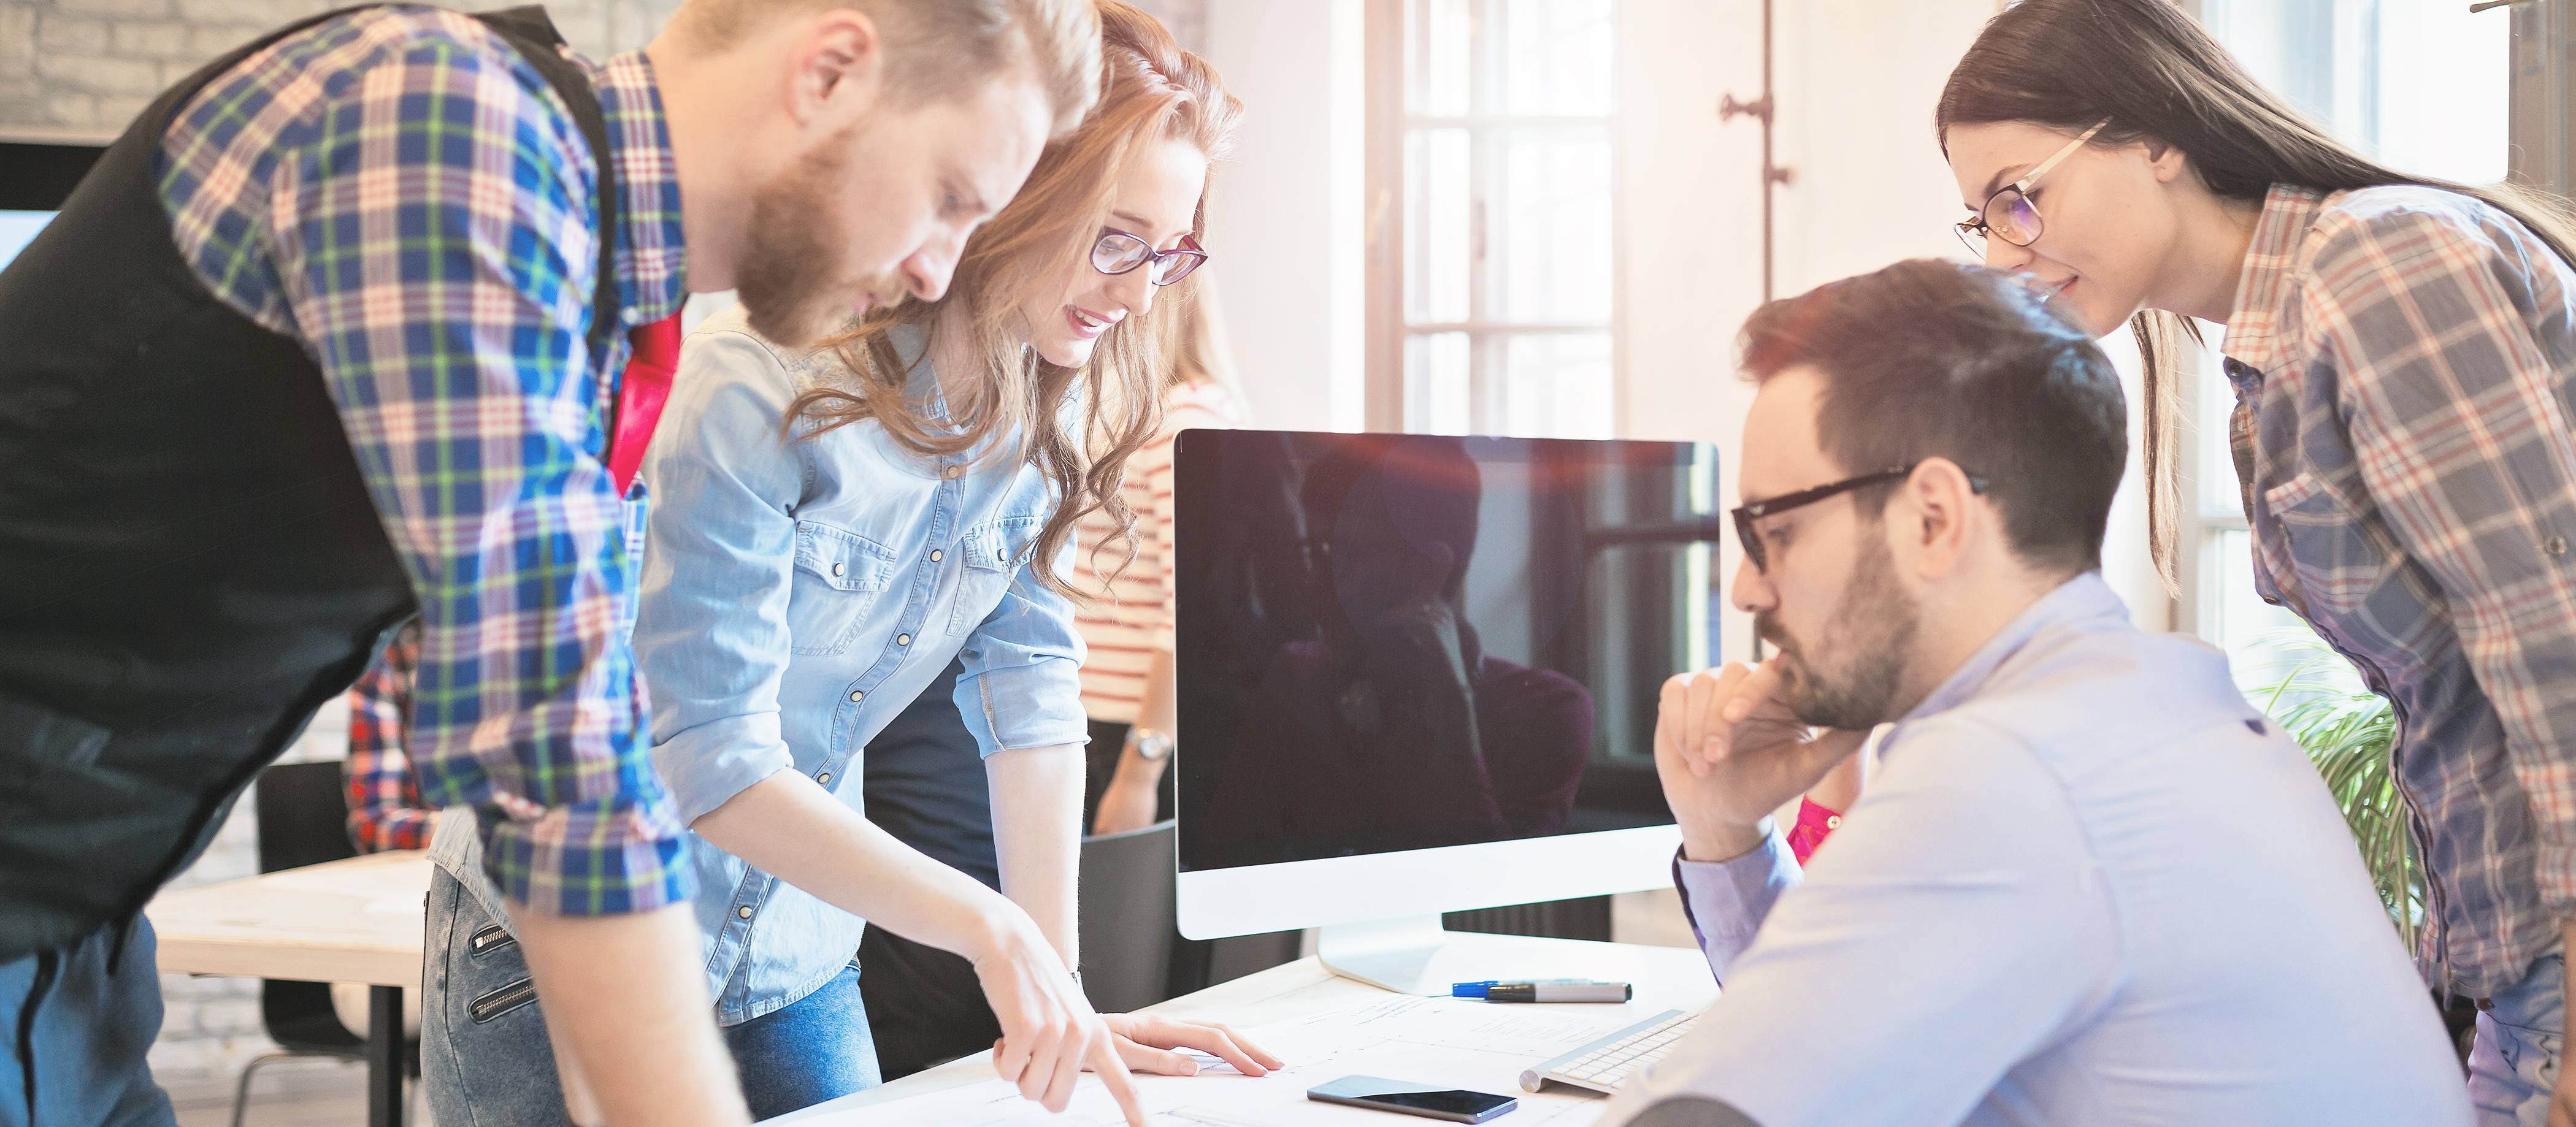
1190	256
1745	515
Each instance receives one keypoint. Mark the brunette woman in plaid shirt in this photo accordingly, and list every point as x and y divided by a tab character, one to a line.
2403	353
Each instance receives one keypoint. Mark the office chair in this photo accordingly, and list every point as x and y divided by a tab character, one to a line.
1128	918
303	820
1132	951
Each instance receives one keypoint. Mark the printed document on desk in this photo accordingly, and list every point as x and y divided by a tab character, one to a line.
1466	1044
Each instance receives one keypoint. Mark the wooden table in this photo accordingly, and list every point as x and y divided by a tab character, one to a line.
1664	977
361	920
358	920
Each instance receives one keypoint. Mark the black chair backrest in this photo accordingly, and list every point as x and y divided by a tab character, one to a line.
303	820
1128	918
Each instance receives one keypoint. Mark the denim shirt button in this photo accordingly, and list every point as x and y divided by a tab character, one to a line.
744	911
936	555
825	777
857	696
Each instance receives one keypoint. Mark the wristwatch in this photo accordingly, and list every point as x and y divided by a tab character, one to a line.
1153	745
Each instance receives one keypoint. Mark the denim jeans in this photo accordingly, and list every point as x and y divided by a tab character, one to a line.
485	1060
74	1027
2513	1067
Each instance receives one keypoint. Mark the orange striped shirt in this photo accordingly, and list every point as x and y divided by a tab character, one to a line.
1131	616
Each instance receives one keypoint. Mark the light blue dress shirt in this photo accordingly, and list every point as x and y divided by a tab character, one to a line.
2089	885
796	595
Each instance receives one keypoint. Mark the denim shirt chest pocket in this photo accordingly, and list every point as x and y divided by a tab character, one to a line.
839	575
990	552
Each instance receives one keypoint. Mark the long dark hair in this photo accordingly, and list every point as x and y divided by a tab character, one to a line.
2156	75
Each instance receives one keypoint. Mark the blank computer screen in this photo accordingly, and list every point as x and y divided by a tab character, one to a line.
1393	642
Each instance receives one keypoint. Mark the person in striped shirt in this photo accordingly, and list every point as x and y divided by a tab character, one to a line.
1127	681
2403	353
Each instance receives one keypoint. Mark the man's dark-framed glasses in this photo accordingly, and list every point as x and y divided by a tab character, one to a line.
1117	252
1751	537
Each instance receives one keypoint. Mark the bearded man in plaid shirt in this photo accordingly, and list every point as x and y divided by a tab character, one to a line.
329	340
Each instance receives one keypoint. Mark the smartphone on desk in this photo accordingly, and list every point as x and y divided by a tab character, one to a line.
1453	1104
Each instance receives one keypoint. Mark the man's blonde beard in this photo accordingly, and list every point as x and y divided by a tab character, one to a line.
795	235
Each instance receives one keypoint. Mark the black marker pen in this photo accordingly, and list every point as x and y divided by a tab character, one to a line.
1560	990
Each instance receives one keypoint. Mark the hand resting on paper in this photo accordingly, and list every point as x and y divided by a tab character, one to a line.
1150	1043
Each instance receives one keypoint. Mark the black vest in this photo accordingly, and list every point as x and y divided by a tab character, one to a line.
190	563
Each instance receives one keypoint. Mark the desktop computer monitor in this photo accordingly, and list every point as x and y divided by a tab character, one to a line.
1419	674
35	178
18	228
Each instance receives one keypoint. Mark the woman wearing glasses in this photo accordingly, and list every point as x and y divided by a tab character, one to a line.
2403	353
829	530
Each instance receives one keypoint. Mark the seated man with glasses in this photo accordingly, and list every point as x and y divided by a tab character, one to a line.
2089	883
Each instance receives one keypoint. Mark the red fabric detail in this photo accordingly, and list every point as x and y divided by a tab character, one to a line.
1815	824
641	392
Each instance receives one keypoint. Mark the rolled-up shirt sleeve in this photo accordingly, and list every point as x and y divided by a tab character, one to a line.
1727	900
434	245
711	635
1022	686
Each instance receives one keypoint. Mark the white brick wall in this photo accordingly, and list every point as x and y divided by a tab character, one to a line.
91	66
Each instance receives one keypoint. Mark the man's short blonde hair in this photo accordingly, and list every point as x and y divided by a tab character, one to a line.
941	48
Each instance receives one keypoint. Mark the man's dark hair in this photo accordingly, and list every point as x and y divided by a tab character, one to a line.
1930	358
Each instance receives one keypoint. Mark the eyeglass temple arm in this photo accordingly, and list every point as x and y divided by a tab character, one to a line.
2032	177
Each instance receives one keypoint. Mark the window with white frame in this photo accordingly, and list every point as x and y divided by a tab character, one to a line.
1505	202
2420	87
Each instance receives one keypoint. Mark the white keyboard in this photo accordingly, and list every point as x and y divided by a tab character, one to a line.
1604	1064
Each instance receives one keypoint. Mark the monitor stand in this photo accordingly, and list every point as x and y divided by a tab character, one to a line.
1416	955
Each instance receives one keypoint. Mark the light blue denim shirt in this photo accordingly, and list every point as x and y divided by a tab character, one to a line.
797	594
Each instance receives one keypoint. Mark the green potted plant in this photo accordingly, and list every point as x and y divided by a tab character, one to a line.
2346	731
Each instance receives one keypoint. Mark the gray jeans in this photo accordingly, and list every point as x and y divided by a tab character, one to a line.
485	1059
2513	1068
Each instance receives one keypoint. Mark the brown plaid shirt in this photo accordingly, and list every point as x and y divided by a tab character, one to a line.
2402	359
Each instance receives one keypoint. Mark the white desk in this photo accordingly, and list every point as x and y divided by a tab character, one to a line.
358	920
1666	978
